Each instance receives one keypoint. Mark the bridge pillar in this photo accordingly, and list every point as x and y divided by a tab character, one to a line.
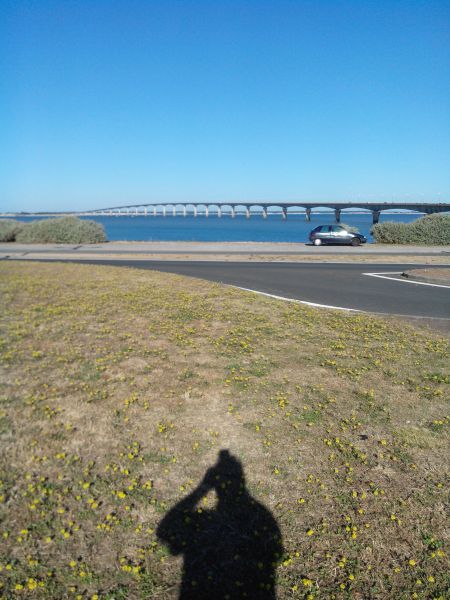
247	212
337	215
184	211
164	211
145	211
136	210
284	213
154	211
206	211
375	216
174	211
219	211
264	212
308	214
233	212
195	211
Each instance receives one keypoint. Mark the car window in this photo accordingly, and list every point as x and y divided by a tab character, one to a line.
337	229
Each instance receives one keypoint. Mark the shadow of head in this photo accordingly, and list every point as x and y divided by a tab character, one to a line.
230	550
227	479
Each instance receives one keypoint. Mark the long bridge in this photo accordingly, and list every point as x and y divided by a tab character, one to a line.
194	208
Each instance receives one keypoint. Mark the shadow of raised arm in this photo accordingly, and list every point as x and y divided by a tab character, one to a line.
176	524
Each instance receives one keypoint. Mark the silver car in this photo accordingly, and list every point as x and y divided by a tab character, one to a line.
335	234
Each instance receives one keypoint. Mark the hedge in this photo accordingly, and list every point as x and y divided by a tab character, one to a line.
65	230
9	229
428	230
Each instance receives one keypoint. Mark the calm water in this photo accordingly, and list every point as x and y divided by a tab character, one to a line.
225	229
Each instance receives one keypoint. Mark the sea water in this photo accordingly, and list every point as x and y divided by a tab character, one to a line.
226	229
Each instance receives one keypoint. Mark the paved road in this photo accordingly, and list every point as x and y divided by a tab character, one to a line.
338	285
199	248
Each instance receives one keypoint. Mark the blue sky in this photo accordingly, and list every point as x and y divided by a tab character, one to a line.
113	102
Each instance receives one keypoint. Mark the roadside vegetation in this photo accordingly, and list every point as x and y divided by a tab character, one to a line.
9	228
350	228
69	230
428	230
120	387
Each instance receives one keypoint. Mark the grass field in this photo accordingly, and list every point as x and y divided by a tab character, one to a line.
119	390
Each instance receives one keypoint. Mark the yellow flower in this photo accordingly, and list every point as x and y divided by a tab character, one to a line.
32	584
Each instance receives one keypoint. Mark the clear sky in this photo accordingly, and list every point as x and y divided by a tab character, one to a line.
107	102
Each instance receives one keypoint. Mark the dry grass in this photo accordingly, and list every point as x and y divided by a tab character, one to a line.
435	275
120	387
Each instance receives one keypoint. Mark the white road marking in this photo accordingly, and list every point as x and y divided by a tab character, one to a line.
404	280
356	310
296	301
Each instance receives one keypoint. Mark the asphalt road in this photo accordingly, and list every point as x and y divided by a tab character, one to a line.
229	248
337	285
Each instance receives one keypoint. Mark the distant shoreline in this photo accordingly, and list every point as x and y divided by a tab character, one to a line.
202	213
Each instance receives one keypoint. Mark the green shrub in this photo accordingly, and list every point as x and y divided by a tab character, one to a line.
350	228
9	229
429	230
65	230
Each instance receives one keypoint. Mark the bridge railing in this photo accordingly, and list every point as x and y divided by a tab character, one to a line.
249	208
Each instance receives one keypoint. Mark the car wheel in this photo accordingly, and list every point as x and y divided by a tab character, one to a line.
317	242
355	241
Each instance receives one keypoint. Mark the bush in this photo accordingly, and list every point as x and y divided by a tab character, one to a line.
429	230
64	230
350	228
9	229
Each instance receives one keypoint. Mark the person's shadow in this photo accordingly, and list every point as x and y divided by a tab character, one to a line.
230	551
